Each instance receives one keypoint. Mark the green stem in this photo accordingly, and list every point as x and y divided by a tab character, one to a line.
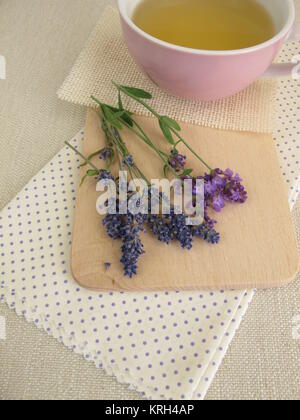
145	135
91	157
149	143
122	144
107	140
118	157
121	147
153	112
130	172
140	173
83	157
189	147
110	138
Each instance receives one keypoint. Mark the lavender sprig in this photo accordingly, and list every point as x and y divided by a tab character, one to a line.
220	186
127	228
118	119
168	126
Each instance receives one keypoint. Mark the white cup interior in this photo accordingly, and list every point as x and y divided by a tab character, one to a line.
281	10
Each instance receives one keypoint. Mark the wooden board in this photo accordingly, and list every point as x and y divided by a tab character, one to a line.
258	247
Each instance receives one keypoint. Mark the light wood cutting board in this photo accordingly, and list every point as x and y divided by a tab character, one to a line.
258	247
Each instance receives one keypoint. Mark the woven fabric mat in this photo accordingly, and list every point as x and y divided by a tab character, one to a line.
105	58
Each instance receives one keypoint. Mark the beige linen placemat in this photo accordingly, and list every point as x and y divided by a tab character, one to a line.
105	58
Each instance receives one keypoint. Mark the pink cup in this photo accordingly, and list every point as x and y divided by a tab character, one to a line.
209	75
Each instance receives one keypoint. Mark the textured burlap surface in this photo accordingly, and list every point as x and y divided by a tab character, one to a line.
105	58
264	359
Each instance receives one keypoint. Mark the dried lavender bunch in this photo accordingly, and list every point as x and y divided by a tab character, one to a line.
219	186
127	227
166	228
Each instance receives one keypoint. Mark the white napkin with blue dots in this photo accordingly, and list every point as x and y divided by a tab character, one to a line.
166	345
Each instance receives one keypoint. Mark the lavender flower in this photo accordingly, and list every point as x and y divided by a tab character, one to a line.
181	231
218	202
128	161
207	233
105	175
113	224
126	227
105	154
222	186
115	133
208	220
132	247
107	265
165	227
160	228
177	161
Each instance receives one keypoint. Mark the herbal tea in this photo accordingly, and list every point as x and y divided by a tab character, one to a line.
206	24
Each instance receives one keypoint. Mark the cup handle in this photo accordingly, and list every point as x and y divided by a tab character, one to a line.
286	69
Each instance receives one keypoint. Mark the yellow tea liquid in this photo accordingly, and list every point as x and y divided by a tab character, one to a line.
206	24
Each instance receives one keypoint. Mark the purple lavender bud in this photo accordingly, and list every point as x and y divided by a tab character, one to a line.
160	228
173	163
105	175
105	154
237	178
218	202
209	188
228	173
132	247
113	224
218	182
107	265
221	186
177	161
207	233
128	161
